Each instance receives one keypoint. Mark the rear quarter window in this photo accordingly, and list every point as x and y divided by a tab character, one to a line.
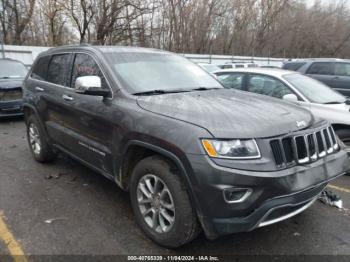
40	68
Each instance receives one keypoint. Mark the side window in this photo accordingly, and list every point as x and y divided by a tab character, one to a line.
266	85
293	66
58	69
342	69
40	68
231	80
85	65
321	68
226	66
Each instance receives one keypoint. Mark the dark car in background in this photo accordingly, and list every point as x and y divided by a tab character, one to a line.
193	154
12	73
331	71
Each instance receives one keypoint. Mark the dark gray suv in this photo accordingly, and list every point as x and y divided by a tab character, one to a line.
333	72
192	154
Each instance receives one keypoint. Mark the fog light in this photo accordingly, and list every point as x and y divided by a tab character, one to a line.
236	195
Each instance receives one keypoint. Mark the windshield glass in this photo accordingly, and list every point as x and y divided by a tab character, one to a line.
12	69
142	72
314	90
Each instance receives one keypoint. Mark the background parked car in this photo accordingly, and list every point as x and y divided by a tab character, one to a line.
12	73
210	68
321	100
238	65
333	72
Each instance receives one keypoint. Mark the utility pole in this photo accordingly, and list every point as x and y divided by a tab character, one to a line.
2	45
2	49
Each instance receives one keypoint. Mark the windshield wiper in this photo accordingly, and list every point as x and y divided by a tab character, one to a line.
334	102
159	92
202	88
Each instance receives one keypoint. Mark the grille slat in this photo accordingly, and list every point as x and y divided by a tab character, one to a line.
304	148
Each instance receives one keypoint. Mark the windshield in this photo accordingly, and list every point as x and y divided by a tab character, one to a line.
143	72
12	69
314	90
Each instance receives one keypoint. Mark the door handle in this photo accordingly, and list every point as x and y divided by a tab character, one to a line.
67	98
39	89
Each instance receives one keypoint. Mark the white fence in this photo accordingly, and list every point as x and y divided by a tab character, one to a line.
223	59
27	54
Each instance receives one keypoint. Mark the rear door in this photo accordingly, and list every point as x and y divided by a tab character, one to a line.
57	79
322	71
341	79
48	80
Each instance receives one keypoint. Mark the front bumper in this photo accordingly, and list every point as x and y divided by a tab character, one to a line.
11	108
275	195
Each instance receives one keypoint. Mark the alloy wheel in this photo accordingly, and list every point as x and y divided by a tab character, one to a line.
34	139
156	203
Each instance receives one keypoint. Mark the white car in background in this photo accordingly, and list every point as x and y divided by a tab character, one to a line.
305	91
238	65
210	68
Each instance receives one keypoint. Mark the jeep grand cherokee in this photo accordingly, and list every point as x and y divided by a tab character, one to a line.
193	155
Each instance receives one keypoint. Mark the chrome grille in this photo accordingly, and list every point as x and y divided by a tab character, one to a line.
10	95
304	148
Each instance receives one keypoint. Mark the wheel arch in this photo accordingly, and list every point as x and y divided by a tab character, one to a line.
137	150
28	110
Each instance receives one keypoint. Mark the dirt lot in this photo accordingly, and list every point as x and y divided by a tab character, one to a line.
91	216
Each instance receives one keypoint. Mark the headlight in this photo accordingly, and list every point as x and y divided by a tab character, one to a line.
233	149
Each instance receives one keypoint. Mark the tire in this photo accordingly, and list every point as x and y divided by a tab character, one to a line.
38	145
176	205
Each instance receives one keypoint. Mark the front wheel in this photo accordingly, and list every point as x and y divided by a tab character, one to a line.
161	203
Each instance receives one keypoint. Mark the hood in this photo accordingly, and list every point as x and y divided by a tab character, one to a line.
230	114
10	83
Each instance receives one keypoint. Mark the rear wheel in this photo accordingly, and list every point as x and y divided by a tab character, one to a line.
161	203
38	144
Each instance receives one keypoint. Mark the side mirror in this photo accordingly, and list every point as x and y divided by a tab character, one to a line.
290	98
90	85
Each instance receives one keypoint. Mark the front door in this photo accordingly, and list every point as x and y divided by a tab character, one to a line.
341	80
88	119
322	71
